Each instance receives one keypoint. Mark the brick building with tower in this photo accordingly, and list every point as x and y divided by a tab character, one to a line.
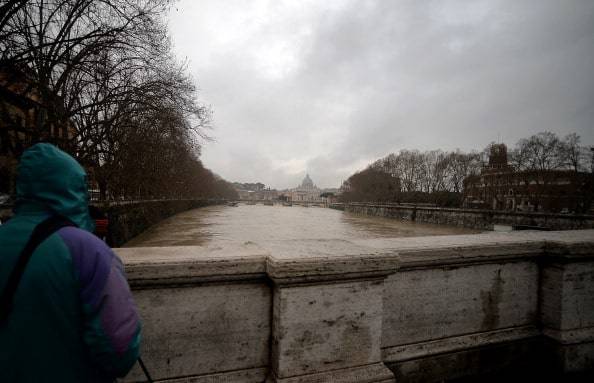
501	187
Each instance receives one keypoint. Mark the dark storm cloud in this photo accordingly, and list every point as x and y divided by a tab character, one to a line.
327	88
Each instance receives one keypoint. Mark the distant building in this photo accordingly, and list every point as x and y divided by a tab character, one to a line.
306	192
24	121
500	187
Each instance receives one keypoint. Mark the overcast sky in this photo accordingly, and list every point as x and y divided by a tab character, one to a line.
326	87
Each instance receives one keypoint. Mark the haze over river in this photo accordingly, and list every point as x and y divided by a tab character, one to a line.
258	223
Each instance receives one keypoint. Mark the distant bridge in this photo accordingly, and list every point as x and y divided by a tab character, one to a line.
283	203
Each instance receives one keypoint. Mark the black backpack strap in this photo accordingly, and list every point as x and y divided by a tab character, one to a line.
40	233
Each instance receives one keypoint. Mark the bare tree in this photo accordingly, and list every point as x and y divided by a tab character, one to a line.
57	44
430	177
462	165
574	155
540	152
372	185
104	71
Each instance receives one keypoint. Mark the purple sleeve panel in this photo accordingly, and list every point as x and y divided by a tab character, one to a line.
105	294
92	260
119	317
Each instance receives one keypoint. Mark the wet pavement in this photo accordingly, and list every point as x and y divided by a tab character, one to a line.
258	223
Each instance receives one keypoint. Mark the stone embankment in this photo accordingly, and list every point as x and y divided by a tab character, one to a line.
127	219
470	218
380	310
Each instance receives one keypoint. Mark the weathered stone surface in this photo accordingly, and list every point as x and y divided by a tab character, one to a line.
192	264
200	330
373	373
335	311
309	260
240	376
205	310
516	361
431	252
326	327
572	358
457	343
567	306
423	305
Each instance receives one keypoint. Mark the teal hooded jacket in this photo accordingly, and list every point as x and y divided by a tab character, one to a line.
73	317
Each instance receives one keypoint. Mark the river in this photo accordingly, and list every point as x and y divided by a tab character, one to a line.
259	223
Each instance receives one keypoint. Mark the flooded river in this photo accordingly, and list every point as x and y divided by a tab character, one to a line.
258	223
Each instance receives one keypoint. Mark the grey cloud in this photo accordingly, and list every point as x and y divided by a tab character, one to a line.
302	87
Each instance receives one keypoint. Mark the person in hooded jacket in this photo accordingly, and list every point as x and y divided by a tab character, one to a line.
73	317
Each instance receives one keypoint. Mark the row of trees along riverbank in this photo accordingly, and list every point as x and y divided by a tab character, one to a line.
438	177
99	79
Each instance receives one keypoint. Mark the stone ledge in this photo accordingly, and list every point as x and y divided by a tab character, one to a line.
192	264
467	256
569	246
371	373
570	336
405	352
523	357
559	252
431	252
325	260
255	375
296	261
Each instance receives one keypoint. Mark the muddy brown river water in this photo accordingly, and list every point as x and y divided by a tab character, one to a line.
258	223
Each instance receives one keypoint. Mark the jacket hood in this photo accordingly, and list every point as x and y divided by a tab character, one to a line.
52	181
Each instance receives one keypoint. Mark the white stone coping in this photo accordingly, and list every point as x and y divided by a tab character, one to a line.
305	260
435	251
192	264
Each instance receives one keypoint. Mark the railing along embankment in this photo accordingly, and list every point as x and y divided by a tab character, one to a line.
381	310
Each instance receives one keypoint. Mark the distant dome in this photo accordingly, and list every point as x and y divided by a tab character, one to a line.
307	183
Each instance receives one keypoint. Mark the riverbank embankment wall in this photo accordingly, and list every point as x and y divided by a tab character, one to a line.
127	219
469	218
379	310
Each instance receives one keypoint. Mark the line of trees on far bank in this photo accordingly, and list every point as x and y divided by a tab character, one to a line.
437	177
99	79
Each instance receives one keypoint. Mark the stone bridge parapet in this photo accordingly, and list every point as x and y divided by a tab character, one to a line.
380	310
